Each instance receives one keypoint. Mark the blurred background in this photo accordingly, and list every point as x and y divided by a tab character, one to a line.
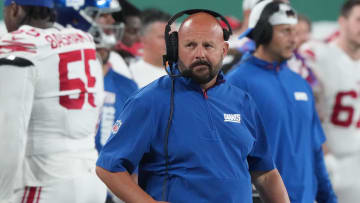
321	12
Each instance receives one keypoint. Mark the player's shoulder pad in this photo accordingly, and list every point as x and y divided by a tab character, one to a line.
15	61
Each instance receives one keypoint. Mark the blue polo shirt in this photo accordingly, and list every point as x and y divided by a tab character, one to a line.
216	138
286	104
117	90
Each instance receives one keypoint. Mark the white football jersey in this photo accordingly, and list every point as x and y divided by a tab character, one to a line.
144	73
68	92
340	103
118	65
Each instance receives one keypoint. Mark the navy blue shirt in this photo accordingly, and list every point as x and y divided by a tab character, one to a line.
286	104
117	90
216	138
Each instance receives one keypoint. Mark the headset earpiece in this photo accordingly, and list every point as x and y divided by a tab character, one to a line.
262	33
263	30
172	47
226	34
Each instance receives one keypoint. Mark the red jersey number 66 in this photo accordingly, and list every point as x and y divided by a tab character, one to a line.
341	109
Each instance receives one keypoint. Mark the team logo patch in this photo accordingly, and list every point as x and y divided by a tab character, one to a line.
116	126
234	118
301	96
74	3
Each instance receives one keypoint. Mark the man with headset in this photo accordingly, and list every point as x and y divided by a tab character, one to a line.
285	102
208	146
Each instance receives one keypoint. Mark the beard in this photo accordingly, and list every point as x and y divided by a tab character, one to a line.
194	71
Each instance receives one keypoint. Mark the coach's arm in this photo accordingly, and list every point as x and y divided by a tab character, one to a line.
270	186
124	187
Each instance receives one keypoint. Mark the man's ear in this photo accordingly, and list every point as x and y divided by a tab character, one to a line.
225	48
342	21
17	12
14	10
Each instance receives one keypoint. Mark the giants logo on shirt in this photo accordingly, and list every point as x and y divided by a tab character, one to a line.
301	96
75	3
234	118
116	126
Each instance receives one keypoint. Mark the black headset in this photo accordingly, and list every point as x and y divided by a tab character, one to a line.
171	57
171	39
262	33
263	30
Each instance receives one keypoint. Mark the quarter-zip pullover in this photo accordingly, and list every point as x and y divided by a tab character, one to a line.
215	140
286	104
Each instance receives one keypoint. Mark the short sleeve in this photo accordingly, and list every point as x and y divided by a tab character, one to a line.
260	157
130	138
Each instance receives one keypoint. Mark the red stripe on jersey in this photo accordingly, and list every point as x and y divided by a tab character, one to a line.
38	196
17	46
25	192
30	197
311	54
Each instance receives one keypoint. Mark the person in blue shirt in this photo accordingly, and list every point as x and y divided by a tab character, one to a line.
216	143
285	102
118	89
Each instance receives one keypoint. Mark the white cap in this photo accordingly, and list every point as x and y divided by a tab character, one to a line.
279	17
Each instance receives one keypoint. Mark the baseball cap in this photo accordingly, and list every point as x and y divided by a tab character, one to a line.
44	3
279	17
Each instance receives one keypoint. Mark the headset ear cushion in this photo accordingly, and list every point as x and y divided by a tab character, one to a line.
262	33
268	33
172	47
226	34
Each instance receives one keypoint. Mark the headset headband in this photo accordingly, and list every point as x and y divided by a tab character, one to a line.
192	11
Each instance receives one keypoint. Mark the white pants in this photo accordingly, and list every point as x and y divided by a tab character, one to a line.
83	189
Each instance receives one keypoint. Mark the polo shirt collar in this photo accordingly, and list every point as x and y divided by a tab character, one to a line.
191	83
267	65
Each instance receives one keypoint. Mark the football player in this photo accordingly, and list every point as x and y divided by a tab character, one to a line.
336	65
117	84
54	90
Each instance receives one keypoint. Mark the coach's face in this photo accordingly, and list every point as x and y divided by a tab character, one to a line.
201	47
283	42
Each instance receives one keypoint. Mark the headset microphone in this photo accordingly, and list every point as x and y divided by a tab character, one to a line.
170	70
